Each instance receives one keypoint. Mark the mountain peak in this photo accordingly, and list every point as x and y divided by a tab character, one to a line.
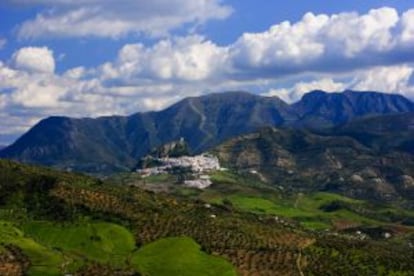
318	94
227	95
314	94
319	108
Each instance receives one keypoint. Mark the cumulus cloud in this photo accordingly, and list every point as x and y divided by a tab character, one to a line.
339	43
407	26
355	34
110	18
322	43
34	59
75	73
295	93
187	59
392	79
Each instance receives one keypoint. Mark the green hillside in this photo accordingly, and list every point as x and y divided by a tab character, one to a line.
178	256
54	223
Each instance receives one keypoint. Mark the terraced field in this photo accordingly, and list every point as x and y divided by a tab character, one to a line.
55	223
314	211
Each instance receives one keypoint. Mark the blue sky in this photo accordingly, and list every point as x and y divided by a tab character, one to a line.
100	57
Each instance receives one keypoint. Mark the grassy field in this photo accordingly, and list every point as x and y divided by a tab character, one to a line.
45	261
54	249
178	256
253	196
245	180
99	241
304	208
248	192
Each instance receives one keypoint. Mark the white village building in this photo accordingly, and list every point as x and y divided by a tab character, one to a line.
198	165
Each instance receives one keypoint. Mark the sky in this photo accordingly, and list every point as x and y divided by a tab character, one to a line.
90	58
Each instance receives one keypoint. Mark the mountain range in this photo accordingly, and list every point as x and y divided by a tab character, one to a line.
116	143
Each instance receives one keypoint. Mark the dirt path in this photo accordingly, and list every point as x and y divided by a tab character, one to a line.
298	198
298	265
203	120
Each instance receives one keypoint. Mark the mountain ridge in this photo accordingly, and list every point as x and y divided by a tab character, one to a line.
114	143
318	107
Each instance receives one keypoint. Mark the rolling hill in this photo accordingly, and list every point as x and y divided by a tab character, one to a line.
54	223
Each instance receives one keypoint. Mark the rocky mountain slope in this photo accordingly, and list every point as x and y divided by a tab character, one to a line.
115	143
371	158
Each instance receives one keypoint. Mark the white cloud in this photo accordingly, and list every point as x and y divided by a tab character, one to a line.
41	94
34	59
187	59
296	92
30	88
325	84
316	44
75	73
407	26
322	43
110	18
281	44
352	34
392	79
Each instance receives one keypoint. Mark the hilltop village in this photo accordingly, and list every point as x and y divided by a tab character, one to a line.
197	166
